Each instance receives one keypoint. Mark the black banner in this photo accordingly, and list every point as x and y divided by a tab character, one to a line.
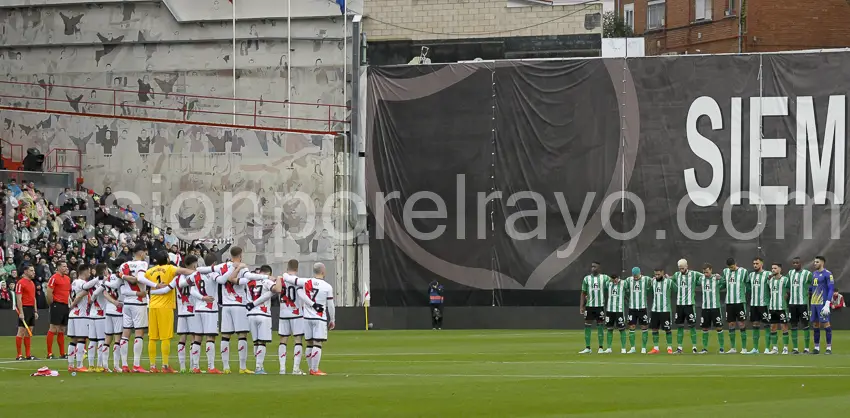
526	172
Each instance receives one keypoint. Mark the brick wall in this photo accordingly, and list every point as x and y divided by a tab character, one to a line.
771	26
452	19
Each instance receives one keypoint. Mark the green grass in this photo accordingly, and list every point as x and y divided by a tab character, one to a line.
453	374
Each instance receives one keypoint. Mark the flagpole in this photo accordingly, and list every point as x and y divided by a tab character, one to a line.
344	59
289	64
233	3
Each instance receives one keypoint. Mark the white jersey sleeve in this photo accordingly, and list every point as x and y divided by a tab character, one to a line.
111	286
232	294
185	301
128	290
98	301
206	285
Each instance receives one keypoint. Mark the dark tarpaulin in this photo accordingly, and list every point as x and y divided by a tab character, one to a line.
429	125
557	130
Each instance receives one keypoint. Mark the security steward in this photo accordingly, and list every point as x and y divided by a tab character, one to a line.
435	299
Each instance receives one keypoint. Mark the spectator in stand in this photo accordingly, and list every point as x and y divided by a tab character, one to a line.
174	255
170	239
13	186
158	244
146	226
5	296
107	194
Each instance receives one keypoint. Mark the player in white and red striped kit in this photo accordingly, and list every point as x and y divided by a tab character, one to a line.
316	298
114	321
260	293
205	290
187	324
290	322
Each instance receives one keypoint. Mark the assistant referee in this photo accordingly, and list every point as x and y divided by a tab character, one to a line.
25	295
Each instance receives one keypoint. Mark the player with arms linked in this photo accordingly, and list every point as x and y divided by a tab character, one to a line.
638	286
616	316
662	290
823	285
735	280
798	303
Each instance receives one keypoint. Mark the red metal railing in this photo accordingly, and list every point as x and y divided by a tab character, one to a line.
62	159
313	118
13	152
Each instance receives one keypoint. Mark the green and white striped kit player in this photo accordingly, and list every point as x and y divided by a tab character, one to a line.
777	311
593	301
798	304
615	316
594	287
711	287
759	298
710	313
778	287
759	292
637	288
736	294
686	284
662	300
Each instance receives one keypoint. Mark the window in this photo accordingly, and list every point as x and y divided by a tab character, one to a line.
655	13
702	10
629	15
730	7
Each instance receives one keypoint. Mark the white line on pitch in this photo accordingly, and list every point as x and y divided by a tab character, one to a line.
557	376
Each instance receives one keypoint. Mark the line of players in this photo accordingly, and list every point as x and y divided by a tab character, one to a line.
106	307
775	299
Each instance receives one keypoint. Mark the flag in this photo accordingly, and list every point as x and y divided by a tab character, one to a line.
366	297
341	4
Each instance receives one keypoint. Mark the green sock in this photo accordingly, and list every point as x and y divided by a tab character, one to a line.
806	335
680	336
794	337
720	339
600	332
743	339
693	332
669	336
623	338
705	340
756	338
644	337
655	338
587	336
632	338
785	339
732	337
773	339
610	337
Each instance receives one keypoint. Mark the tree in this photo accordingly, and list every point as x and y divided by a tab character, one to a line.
614	26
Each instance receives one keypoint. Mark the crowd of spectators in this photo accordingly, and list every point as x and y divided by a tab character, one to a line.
43	232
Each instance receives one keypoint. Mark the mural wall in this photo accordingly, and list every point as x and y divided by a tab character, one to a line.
70	52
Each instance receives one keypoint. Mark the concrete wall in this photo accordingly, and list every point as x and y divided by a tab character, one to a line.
140	46
447	19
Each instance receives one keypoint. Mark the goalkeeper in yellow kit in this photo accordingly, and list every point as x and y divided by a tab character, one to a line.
162	304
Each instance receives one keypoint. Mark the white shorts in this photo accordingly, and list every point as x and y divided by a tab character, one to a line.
114	324
261	328
135	316
315	330
205	323
234	319
184	325
78	327
291	326
97	329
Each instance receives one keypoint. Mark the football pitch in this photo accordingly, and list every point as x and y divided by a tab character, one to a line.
452	374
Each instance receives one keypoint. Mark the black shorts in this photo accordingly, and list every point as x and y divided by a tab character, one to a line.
798	314
709	318
660	320
758	314
29	316
615	319
736	312
59	314
596	313
685	314
777	317
638	317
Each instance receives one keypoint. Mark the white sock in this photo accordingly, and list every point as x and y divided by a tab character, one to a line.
309	355
116	355
91	352
181	355
242	348
125	348
260	353
80	350
296	358
210	355
281	356
225	354
102	355
195	355
72	354
137	351
317	357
